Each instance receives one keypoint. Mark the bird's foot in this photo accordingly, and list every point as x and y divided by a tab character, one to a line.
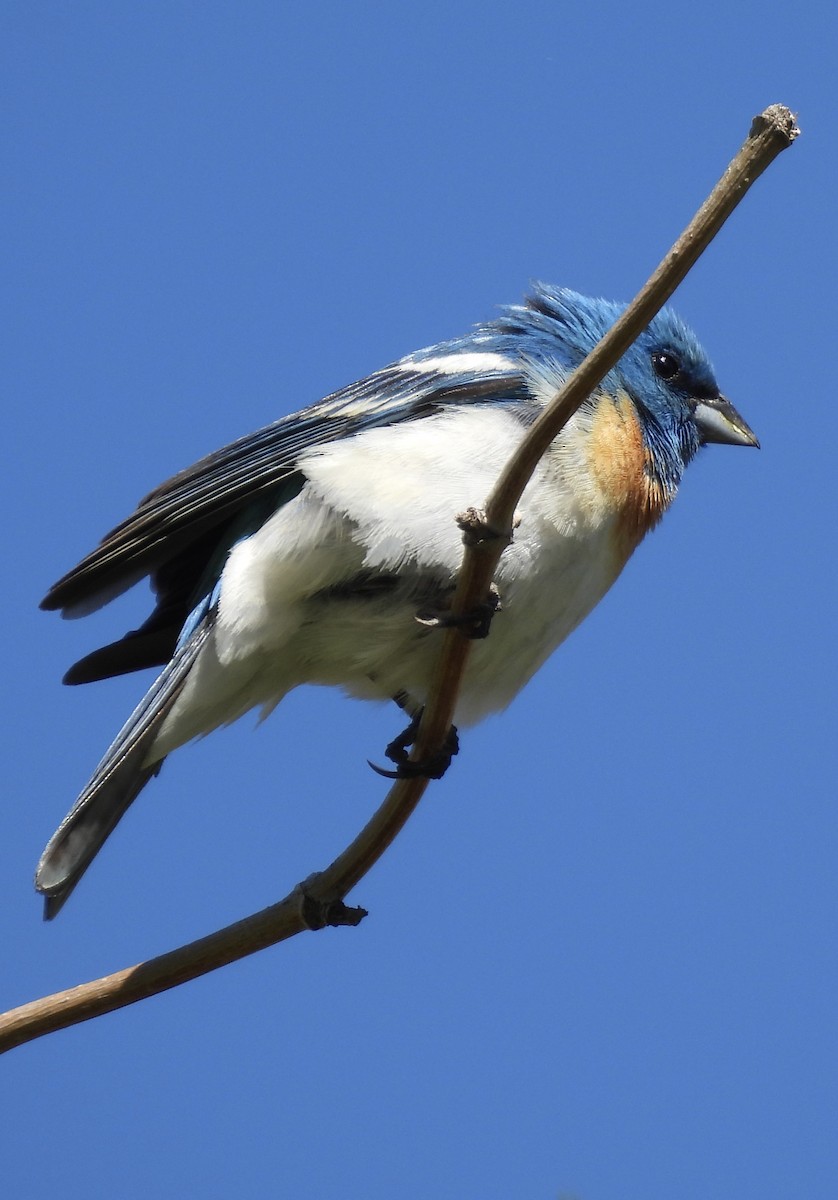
433	766
474	624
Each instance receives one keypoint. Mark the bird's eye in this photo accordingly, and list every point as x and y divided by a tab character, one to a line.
666	365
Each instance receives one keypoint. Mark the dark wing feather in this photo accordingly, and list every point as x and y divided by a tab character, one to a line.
199	502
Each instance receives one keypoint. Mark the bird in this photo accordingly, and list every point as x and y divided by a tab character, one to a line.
324	548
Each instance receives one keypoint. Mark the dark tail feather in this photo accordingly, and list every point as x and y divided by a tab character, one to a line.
116	782
135	652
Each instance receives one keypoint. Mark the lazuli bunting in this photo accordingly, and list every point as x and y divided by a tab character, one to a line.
305	552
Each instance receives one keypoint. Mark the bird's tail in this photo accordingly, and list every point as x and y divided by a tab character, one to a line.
119	779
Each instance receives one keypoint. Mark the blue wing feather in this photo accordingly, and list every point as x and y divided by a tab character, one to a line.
215	491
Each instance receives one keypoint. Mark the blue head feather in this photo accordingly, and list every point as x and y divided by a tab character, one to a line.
562	326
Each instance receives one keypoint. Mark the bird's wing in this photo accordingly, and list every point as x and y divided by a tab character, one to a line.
184	515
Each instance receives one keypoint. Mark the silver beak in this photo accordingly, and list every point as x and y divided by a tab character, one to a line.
718	421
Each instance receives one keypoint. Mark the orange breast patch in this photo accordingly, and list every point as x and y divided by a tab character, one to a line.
620	464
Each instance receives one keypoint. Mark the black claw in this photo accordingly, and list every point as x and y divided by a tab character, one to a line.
426	768
413	770
433	767
383	771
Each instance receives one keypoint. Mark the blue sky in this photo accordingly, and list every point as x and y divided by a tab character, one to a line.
601	960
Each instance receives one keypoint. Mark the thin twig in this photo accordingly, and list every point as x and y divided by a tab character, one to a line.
319	901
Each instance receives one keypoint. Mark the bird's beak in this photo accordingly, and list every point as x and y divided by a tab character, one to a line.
718	421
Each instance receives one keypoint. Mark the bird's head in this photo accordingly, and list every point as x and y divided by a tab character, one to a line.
671	381
666	373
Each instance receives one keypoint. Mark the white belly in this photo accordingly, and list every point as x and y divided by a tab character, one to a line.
384	503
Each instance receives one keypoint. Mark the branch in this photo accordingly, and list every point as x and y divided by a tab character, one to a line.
319	901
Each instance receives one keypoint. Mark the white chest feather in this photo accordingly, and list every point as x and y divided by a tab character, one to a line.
385	503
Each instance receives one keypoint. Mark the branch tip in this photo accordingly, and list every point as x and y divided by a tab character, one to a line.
776	120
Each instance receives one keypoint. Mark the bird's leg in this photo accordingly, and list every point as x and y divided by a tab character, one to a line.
474	624
398	751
